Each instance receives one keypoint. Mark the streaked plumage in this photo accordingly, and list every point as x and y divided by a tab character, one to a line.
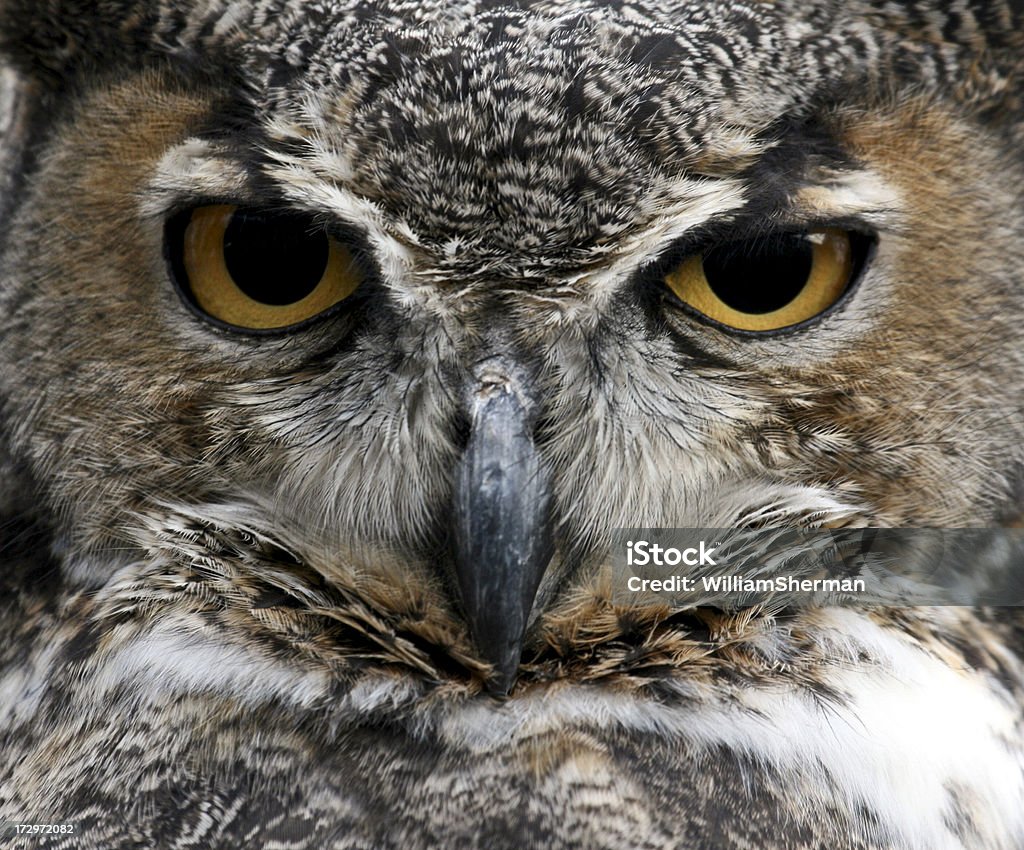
231	611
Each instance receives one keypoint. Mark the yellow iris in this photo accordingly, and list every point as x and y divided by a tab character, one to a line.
251	271
762	290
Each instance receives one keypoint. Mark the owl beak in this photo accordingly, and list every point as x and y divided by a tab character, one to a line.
502	534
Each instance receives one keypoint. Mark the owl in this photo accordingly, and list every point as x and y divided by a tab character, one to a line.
340	338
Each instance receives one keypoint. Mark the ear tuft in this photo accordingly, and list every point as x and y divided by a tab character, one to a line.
51	39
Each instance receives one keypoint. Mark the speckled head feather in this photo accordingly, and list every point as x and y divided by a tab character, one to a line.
233	611
460	90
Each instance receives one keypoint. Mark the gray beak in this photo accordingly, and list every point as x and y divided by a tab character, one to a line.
502	505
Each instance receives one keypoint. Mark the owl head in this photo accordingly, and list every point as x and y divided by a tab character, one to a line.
446	293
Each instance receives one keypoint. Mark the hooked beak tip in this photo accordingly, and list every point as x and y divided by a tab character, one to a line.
502	679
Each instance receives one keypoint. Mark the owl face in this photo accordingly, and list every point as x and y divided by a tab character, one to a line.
419	283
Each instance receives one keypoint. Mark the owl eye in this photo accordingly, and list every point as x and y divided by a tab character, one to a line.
261	270
770	283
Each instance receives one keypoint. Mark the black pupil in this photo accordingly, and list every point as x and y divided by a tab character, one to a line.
759	276
274	259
